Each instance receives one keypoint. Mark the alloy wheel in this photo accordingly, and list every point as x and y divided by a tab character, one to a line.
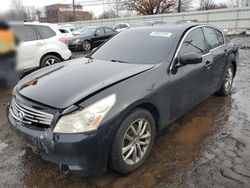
86	45
136	141
50	62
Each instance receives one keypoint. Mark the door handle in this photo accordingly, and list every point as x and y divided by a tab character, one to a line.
207	65
39	44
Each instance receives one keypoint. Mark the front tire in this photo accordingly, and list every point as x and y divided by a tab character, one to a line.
133	142
227	82
86	45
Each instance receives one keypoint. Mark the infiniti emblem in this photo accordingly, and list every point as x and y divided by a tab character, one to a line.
21	114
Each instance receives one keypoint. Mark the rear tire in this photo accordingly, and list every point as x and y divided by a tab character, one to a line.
133	142
49	60
227	82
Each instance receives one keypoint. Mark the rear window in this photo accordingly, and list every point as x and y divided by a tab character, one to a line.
25	32
45	31
211	37
108	30
63	31
220	37
151	46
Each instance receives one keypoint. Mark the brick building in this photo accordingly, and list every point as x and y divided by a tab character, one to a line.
64	13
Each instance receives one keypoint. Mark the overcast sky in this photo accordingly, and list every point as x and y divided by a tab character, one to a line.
96	9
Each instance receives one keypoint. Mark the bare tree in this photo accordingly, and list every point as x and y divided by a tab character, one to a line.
117	5
17	10
186	5
108	14
240	3
34	13
209	4
206	4
148	7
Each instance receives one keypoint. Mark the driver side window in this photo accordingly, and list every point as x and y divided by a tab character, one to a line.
194	43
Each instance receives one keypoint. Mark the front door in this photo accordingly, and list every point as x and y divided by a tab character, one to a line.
190	83
99	37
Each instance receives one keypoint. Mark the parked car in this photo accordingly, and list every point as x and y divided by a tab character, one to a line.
90	38
68	26
121	27
78	31
41	45
108	112
66	32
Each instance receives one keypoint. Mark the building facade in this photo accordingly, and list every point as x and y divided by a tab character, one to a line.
64	13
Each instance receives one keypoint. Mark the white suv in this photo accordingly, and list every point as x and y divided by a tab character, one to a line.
41	45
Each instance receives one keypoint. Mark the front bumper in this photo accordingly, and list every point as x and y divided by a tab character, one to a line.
75	47
83	153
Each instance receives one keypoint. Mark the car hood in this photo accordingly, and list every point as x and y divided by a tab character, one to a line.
80	36
64	84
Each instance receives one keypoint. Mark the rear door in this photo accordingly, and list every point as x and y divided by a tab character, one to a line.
216	44
48	35
190	83
30	47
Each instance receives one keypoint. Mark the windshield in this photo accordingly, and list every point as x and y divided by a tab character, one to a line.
88	31
138	46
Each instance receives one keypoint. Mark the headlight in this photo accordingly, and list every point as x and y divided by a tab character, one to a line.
77	41
87	119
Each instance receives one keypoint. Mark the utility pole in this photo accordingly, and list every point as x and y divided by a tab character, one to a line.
28	16
74	11
179	6
103	9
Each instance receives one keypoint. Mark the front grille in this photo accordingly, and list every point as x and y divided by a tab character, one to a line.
28	115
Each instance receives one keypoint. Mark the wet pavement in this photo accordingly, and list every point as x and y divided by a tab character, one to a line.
208	147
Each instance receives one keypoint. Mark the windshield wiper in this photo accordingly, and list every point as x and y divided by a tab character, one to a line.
190	42
119	61
90	58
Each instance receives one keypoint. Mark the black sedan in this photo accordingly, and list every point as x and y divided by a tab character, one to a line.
90	38
106	110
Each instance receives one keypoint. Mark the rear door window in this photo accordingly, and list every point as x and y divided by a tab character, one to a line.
100	31
211	37
123	26
45	31
25	32
63	31
194	43
220	37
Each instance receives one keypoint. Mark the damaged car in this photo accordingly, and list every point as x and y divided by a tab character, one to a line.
104	111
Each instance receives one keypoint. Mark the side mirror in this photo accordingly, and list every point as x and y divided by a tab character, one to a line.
190	58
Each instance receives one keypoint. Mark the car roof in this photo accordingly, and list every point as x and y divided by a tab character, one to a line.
121	23
32	23
182	27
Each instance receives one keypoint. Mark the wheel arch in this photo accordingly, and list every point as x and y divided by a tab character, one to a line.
235	67
147	106
51	53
